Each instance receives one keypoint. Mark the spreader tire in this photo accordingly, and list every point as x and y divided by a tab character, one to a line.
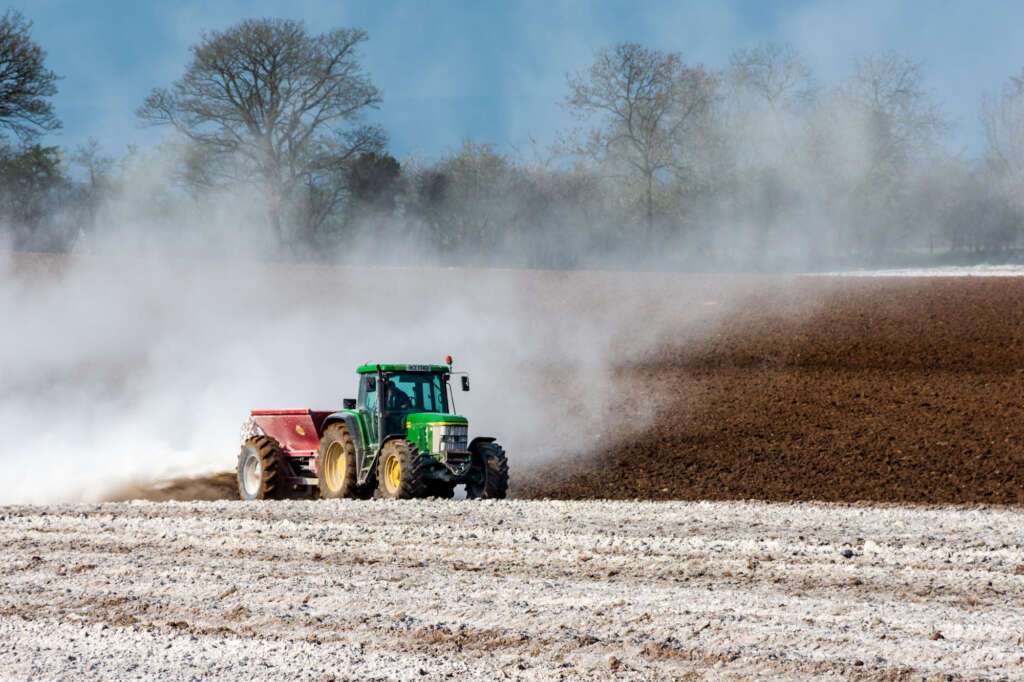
491	469
261	468
400	471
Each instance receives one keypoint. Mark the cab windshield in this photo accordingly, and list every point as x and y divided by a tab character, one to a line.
415	392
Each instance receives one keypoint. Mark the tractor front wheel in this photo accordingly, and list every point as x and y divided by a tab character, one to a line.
400	471
490	473
260	465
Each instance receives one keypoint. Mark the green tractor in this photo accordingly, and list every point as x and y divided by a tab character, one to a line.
400	439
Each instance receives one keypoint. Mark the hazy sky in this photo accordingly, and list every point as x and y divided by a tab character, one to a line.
495	70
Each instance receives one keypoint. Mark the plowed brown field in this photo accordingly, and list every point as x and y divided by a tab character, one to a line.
882	390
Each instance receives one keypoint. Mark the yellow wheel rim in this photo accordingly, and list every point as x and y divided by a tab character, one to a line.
334	467
393	474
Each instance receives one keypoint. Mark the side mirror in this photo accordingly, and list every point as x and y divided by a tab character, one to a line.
371	384
465	382
348	404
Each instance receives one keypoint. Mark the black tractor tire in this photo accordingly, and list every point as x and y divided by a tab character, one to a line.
261	470
336	465
401	471
490	467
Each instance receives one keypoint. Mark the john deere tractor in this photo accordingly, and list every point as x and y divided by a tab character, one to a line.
400	438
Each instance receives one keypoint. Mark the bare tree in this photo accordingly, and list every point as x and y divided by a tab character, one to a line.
96	185
901	118
648	103
897	126
25	83
769	93
1002	117
275	100
776	74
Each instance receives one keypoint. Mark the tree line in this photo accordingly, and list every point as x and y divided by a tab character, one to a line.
755	165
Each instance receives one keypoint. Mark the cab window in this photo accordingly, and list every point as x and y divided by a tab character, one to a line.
367	398
417	391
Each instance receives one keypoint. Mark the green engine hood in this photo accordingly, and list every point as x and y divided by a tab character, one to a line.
423	418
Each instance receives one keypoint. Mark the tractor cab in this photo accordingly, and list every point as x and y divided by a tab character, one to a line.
389	394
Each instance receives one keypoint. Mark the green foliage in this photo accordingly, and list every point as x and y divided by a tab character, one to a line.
33	188
372	180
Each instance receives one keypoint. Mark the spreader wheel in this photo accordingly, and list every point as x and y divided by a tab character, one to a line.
400	471
336	465
260	466
490	471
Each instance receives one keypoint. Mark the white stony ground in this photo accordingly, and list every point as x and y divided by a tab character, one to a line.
1014	270
532	590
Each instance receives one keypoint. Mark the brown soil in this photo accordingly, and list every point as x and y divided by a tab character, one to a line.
219	486
882	390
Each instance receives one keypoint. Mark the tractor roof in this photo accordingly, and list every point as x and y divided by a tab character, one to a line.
403	367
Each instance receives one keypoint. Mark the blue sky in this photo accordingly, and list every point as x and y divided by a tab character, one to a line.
495	71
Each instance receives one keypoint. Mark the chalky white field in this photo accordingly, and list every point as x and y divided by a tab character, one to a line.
534	590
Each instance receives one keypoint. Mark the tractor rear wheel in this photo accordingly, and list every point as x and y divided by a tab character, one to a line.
336	464
490	469
400	471
261	467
